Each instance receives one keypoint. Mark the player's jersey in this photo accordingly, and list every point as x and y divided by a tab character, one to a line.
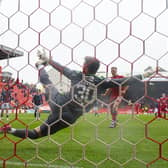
85	91
114	92
37	99
163	103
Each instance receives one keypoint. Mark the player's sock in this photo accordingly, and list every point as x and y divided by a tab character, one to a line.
114	115
113	124
7	117
22	133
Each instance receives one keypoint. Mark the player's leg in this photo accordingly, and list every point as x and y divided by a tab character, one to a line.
1	114
7	114
114	116
7	110
57	121
2	110
53	124
35	111
155	111
66	119
164	113
21	133
114	111
37	114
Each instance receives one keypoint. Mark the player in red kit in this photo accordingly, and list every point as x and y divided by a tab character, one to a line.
115	95
163	104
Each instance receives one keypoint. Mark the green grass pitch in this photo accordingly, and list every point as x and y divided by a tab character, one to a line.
89	143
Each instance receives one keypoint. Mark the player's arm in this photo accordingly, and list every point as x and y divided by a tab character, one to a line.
124	90
121	81
62	69
107	92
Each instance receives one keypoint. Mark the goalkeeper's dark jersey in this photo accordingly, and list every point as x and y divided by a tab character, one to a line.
85	89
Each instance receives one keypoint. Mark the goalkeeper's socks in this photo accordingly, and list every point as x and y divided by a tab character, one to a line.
23	133
12	130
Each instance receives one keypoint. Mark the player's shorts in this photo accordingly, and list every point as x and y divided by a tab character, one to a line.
5	106
36	107
156	110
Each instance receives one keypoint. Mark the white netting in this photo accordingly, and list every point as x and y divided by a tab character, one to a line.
129	34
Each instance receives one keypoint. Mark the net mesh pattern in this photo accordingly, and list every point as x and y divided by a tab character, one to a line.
129	34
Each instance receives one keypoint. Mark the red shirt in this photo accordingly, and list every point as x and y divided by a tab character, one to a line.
163	103
114	92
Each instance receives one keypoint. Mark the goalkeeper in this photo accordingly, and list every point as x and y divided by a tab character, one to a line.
67	108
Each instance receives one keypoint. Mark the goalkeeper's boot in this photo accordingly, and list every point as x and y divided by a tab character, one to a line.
5	128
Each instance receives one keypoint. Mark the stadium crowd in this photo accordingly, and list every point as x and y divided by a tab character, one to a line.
20	96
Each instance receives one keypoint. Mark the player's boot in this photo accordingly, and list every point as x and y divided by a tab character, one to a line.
113	124
5	128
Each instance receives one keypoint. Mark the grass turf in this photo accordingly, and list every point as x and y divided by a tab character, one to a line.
89	143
